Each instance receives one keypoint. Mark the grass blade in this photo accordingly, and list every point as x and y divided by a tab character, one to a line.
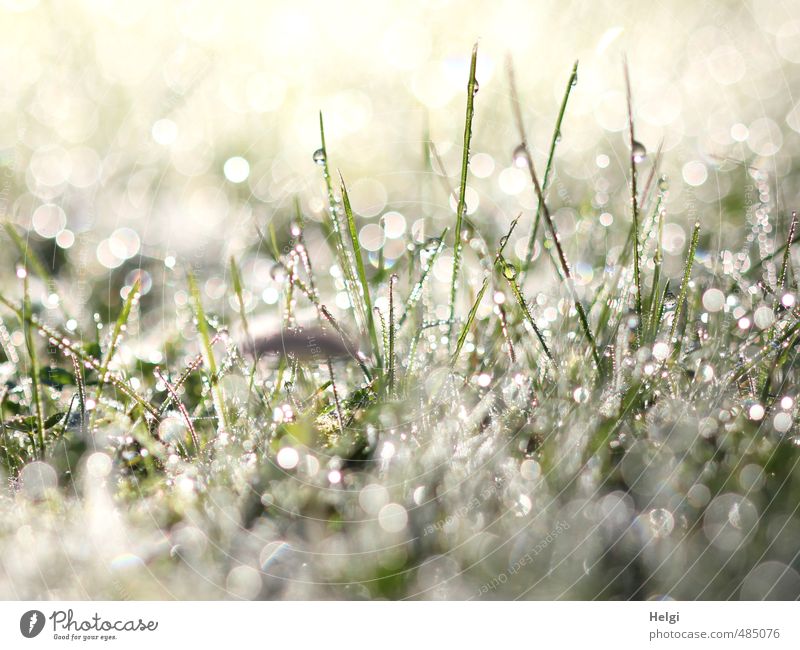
30	344
181	408
416	291
361	271
392	333
687	271
787	253
122	320
69	349
562	258
652	323
340	249
510	274
571	83
217	396
462	192
468	324
634	202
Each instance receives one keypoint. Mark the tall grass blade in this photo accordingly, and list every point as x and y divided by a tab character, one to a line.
361	271
30	344
787	254
70	349
509	273
392	333
119	326
562	258
687	272
339	247
468	323
462	192
217	396
634	145
181	408
571	83
416	291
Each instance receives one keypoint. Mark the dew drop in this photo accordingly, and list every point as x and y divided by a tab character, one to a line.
580	394
432	244
475	88
756	412
510	271
520	156
638	152
319	156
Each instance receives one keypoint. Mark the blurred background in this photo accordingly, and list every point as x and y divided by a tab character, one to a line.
145	128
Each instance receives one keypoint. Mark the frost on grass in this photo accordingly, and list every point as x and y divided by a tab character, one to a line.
595	420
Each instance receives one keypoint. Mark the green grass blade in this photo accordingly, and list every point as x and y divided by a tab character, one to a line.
340	250
634	205
787	253
71	350
652	324
30	344
468	324
510	274
217	395
31	260
462	192
562	258
571	83
361	271
236	280
392	333
119	325
504	239
687	271
416	291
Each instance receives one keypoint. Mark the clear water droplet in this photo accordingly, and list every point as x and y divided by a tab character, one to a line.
580	394
475	88
638	152
319	156
520	156
632	320
432	244
510	271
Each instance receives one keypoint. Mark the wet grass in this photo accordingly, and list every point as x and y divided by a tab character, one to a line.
503	399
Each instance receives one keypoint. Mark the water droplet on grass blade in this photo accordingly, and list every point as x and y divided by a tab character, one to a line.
431	245
520	156
638	152
510	271
580	394
319	156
